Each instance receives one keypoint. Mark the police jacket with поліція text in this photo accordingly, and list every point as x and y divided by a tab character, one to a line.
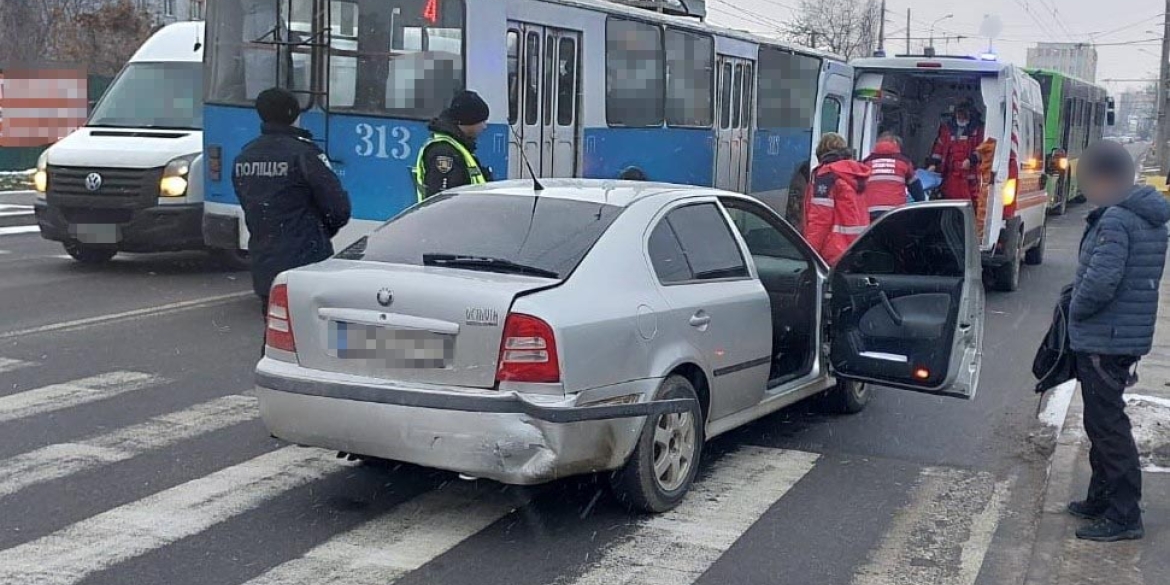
293	202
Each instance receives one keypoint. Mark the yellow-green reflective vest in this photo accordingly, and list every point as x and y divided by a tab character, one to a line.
420	170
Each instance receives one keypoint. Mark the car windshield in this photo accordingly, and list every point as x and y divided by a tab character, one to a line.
539	236
153	95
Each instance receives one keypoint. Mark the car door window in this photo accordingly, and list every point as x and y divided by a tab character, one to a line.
701	235
763	237
666	255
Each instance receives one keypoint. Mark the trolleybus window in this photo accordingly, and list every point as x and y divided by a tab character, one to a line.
633	74
725	96
690	67
788	89
513	76
567	82
250	50
407	57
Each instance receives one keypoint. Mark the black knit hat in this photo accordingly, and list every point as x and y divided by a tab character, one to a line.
467	109
278	106
1105	159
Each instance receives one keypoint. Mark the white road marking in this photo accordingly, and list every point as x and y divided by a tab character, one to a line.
129	315
19	229
1056	410
1151	399
64	459
942	536
9	365
381	551
69	555
17	213
679	546
74	393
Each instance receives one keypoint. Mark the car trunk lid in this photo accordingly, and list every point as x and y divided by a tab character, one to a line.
430	325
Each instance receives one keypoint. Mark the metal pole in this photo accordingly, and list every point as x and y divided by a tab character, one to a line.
882	29
1161	147
908	52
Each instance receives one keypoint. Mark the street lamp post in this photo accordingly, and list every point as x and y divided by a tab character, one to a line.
932	25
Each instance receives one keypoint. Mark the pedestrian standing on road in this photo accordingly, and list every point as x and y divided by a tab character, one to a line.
448	159
1112	315
835	212
892	177
293	202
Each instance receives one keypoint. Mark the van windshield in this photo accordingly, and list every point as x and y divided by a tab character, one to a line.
153	95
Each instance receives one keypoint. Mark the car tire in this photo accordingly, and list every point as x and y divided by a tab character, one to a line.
232	259
1035	255
1007	276
89	254
674	439
847	397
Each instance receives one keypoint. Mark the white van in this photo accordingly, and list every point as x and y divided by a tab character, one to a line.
123	182
912	96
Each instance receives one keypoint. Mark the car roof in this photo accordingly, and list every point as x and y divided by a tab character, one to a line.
606	191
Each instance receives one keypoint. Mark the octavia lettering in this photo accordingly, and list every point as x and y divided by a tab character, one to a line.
487	317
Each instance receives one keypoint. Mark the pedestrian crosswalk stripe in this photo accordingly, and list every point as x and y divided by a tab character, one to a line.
9	365
126	532
75	393
20	229
65	459
679	546
383	550
942	535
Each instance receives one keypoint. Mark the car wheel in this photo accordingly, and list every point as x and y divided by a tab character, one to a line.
847	397
663	465
1007	277
1035	255
231	259
87	254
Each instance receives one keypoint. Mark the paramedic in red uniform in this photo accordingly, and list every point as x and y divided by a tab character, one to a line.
891	177
954	155
835	213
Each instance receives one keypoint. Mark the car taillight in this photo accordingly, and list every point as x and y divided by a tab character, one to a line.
1010	191
528	352
279	334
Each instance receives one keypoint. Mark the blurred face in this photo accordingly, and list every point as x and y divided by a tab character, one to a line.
962	117
475	130
1103	190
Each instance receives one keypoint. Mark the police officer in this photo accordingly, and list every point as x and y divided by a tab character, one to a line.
293	202
448	159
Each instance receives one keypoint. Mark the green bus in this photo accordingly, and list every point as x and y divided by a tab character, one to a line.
1076	113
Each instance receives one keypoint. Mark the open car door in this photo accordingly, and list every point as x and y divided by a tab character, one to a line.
906	302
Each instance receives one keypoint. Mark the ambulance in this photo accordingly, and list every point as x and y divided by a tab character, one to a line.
913	96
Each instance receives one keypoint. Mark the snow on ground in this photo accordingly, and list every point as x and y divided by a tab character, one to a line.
16	180
1151	429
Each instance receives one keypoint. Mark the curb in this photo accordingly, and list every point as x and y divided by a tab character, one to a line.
1052	531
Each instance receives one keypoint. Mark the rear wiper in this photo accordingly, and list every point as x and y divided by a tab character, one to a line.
485	263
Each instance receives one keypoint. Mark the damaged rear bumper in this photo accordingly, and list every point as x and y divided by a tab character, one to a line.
503	436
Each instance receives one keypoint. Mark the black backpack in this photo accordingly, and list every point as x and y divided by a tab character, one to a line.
1054	364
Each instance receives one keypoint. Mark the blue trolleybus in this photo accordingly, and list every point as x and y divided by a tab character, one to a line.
584	88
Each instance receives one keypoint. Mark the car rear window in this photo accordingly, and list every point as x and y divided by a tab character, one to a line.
545	233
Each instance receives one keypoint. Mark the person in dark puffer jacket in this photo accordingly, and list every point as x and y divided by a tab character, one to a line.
1112	315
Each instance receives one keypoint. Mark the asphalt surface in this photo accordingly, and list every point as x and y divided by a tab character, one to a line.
131	453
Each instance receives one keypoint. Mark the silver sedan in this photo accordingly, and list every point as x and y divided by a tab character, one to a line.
526	334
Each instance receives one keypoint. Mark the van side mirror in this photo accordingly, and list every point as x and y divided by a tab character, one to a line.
1111	118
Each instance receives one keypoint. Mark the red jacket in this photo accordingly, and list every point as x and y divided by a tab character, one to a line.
892	174
953	146
835	212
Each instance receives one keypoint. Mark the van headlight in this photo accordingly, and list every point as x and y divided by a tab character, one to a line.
175	175
41	175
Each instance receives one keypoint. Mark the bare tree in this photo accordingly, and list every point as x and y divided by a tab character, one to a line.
846	27
103	38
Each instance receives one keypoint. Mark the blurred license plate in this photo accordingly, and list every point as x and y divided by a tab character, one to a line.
397	348
96	233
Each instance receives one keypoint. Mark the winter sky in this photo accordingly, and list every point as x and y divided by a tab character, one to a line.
1024	22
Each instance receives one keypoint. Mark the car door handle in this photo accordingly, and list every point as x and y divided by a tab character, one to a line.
700	319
